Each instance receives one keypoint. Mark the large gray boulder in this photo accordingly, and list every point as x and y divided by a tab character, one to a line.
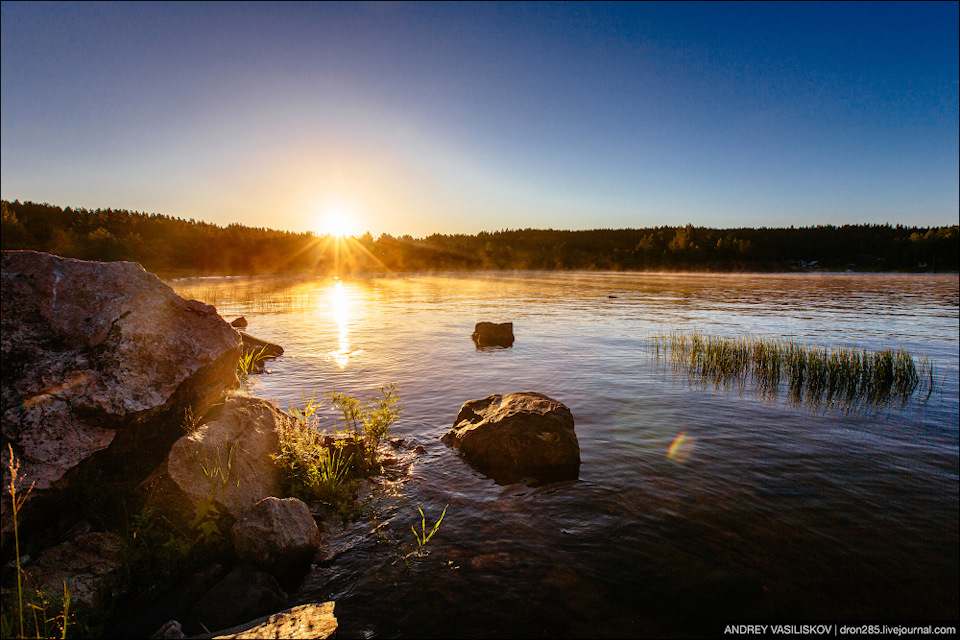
100	362
276	535
229	460
516	436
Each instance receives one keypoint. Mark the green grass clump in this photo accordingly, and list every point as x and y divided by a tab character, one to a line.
318	466
841	377
423	536
251	362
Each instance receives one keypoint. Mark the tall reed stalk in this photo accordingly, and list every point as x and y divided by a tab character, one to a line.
43	627
840	377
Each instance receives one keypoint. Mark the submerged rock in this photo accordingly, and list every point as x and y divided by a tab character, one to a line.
489	334
276	535
100	361
515	436
228	460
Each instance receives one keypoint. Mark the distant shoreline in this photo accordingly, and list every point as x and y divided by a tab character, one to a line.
175	247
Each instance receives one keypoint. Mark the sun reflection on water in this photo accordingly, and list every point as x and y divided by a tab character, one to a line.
341	315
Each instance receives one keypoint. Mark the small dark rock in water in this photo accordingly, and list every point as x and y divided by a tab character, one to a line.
611	296
252	343
490	334
347	446
515	436
240	322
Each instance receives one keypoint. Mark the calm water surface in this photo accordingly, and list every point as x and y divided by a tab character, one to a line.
770	510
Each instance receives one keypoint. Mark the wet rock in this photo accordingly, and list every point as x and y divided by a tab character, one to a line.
347	446
304	621
99	363
276	535
261	350
239	323
251	343
228	460
488	561
518	435
89	565
243	595
489	334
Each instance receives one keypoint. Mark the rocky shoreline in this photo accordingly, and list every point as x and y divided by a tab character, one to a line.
104	367
120	397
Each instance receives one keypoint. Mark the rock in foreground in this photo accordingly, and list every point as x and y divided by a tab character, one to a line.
101	358
276	535
304	621
515	436
490	334
228	460
88	566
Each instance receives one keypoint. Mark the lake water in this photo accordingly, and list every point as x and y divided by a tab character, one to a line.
771	509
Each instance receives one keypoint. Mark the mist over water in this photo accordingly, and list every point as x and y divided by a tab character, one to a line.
693	504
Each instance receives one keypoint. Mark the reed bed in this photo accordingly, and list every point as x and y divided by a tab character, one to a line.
241	297
841	377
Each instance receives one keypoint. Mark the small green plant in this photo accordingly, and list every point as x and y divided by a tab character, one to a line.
369	421
190	422
206	522
311	470
305	415
423	536
207	513
251	362
317	466
46	623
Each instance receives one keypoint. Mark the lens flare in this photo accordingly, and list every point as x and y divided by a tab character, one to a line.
681	448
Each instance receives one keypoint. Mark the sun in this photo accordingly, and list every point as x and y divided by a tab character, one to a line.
337	224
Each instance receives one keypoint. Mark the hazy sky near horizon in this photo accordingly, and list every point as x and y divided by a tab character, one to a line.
456	118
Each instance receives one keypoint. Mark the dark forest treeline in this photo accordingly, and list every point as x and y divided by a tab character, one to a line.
168	245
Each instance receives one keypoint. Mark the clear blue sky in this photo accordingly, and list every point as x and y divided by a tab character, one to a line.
456	118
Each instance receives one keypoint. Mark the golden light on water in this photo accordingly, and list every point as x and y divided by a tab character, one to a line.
340	303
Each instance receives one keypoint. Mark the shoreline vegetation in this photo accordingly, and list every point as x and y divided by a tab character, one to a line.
319	463
839	377
174	247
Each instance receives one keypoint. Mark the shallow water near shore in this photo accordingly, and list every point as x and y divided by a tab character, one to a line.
694	504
